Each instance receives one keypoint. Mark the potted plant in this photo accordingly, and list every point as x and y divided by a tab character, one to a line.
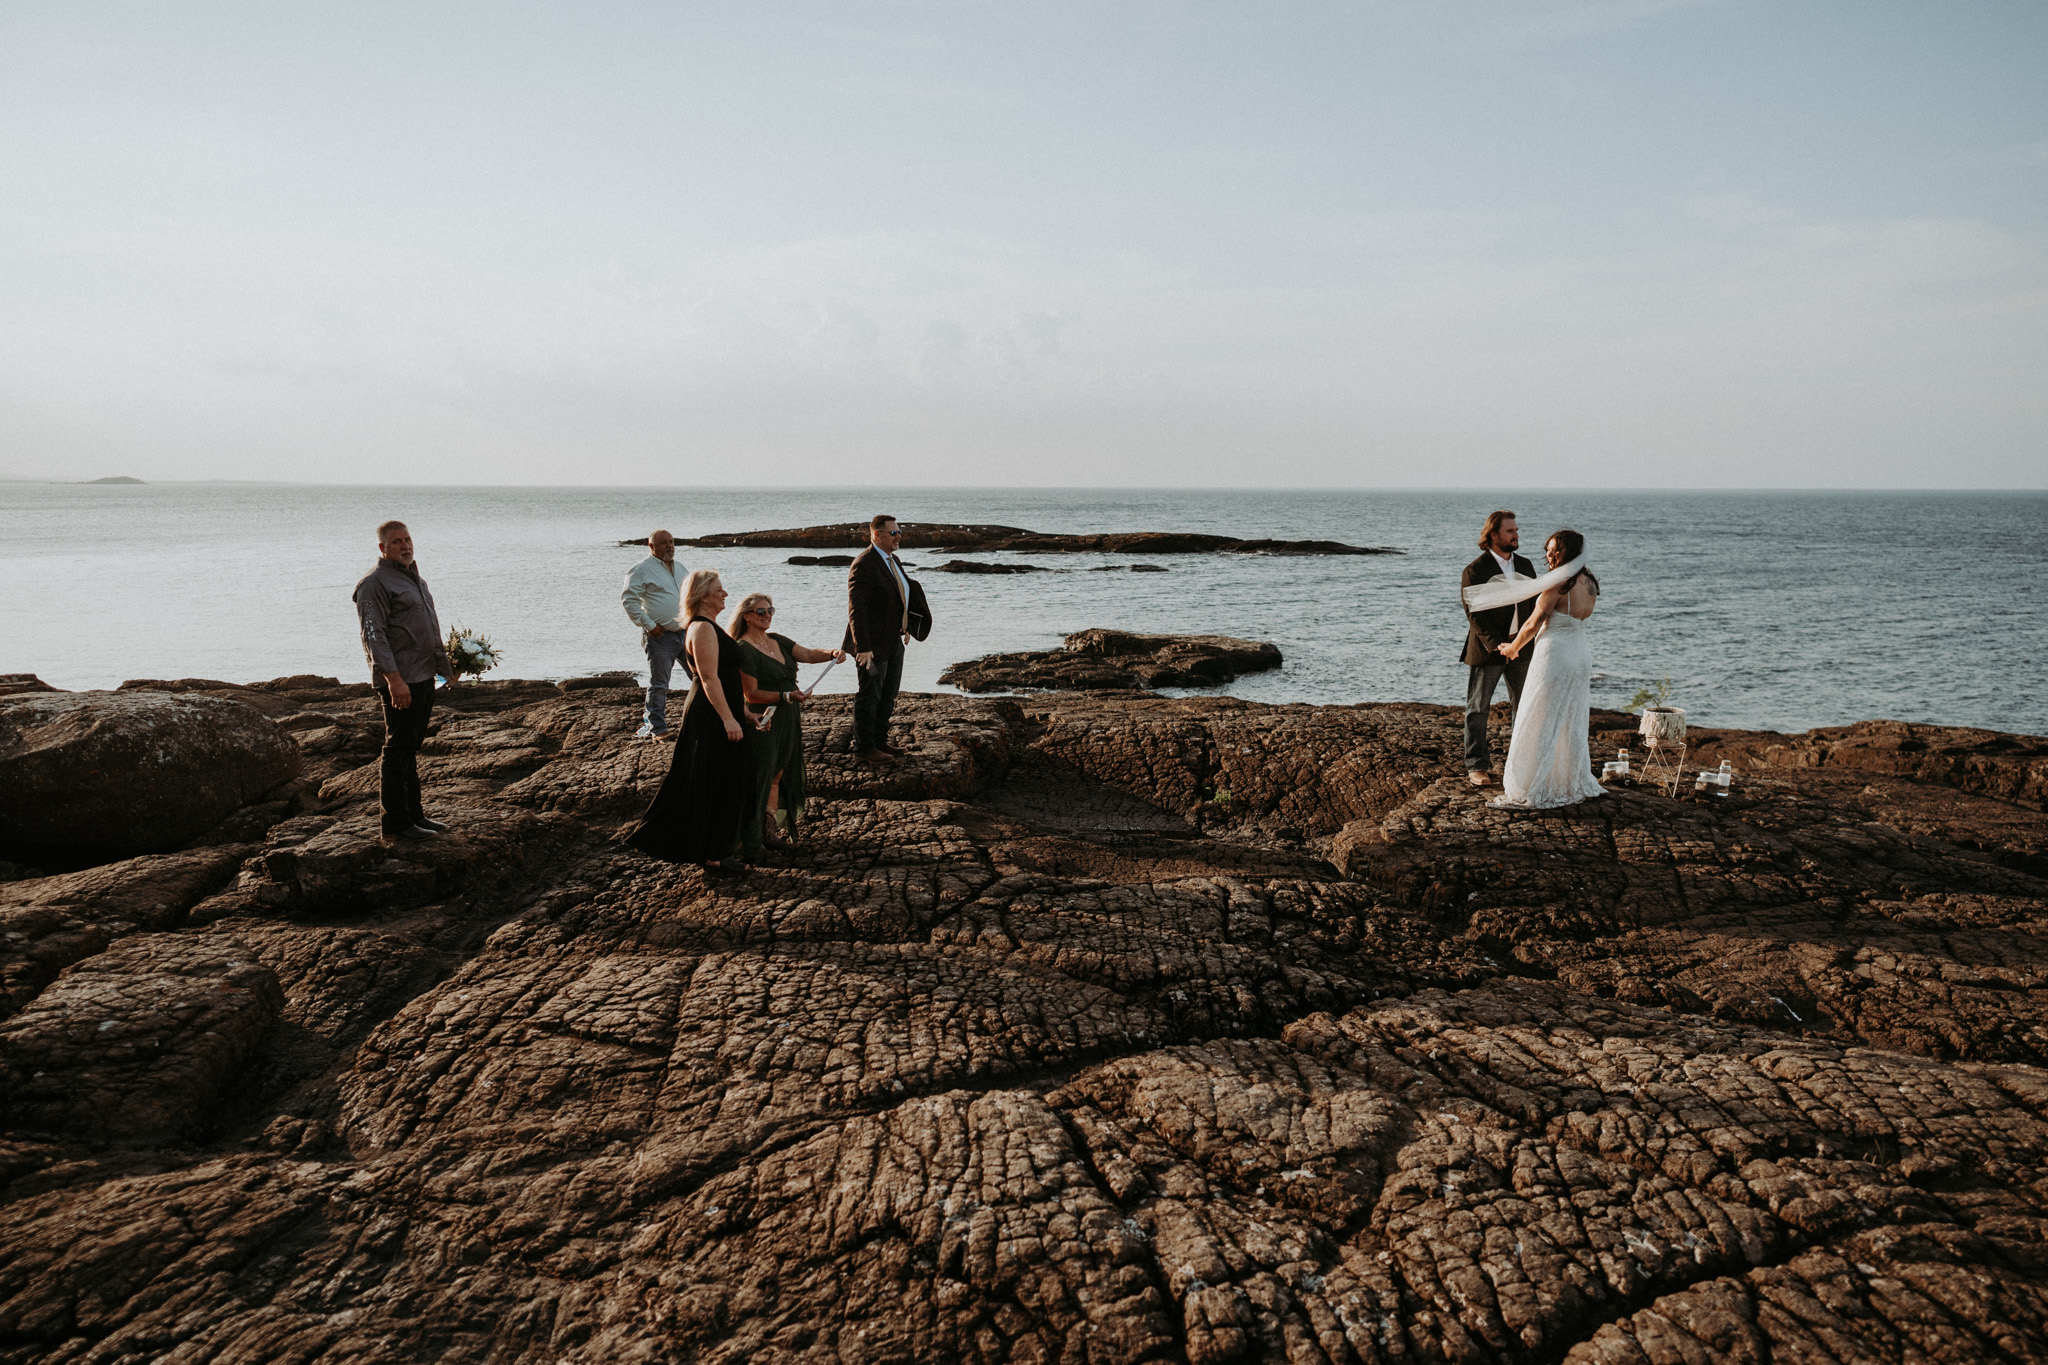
1663	723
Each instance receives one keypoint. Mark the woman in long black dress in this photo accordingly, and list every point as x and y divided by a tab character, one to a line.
696	815
768	668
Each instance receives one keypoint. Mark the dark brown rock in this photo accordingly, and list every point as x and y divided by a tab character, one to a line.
48	923
117	773
1065	1037
956	537
618	678
11	683
137	1042
1115	660
984	567
821	561
1983	762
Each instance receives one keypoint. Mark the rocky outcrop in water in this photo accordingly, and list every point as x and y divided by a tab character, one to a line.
114	773
1099	1028
985	567
957	538
1117	661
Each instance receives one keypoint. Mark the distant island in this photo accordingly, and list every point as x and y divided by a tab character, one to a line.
118	478
944	536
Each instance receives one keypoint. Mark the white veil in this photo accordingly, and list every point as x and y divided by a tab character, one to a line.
1499	592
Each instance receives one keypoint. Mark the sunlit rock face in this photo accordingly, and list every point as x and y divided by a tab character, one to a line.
1098	1028
1117	661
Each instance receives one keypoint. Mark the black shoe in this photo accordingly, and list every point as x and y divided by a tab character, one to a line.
411	832
726	867
893	750
432	826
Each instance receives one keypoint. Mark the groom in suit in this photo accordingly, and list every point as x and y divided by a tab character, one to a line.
877	628
1485	633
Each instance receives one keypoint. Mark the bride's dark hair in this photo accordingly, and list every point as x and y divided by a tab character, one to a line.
1571	545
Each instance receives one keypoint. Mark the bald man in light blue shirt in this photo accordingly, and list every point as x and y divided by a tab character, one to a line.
653	598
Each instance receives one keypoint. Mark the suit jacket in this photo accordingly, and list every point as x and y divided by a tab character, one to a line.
877	613
1487	631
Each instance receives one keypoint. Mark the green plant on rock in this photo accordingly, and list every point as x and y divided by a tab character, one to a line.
1657	693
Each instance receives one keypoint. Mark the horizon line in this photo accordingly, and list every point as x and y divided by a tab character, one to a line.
927	488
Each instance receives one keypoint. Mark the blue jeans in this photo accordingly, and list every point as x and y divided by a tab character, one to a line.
662	652
876	701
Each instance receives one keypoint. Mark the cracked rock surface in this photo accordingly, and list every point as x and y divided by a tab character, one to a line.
1099	1028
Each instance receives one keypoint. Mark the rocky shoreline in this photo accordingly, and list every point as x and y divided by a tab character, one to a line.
1101	1028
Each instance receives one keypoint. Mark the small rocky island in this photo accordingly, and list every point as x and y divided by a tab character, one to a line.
958	538
1099	1028
1117	661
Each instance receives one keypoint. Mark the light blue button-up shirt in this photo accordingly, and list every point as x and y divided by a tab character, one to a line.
653	595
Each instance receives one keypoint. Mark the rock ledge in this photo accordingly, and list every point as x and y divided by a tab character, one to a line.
1116	660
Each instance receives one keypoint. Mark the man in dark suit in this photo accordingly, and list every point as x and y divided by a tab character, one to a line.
1485	633
877	628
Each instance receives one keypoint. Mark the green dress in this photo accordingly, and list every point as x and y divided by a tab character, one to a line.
777	750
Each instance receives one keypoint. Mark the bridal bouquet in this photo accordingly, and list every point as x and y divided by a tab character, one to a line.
470	654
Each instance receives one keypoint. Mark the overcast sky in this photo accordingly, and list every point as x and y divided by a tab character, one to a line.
1620	242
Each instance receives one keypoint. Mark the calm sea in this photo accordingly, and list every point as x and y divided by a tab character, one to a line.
1776	610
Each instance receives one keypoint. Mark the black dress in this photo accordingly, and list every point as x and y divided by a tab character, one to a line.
695	817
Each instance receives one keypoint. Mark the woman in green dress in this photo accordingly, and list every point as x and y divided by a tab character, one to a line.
768	673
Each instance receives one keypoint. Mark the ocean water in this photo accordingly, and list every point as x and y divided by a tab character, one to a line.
1768	610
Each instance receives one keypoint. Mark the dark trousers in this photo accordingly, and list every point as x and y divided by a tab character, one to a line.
404	732
876	701
1479	700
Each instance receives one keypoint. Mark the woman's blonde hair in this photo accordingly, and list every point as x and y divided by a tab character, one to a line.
740	624
696	588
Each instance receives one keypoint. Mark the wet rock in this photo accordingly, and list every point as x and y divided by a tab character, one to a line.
118	773
137	1042
956	537
1114	660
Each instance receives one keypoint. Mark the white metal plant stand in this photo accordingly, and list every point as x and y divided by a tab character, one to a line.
1663	764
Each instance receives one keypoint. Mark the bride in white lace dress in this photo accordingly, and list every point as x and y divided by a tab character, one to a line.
1548	761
